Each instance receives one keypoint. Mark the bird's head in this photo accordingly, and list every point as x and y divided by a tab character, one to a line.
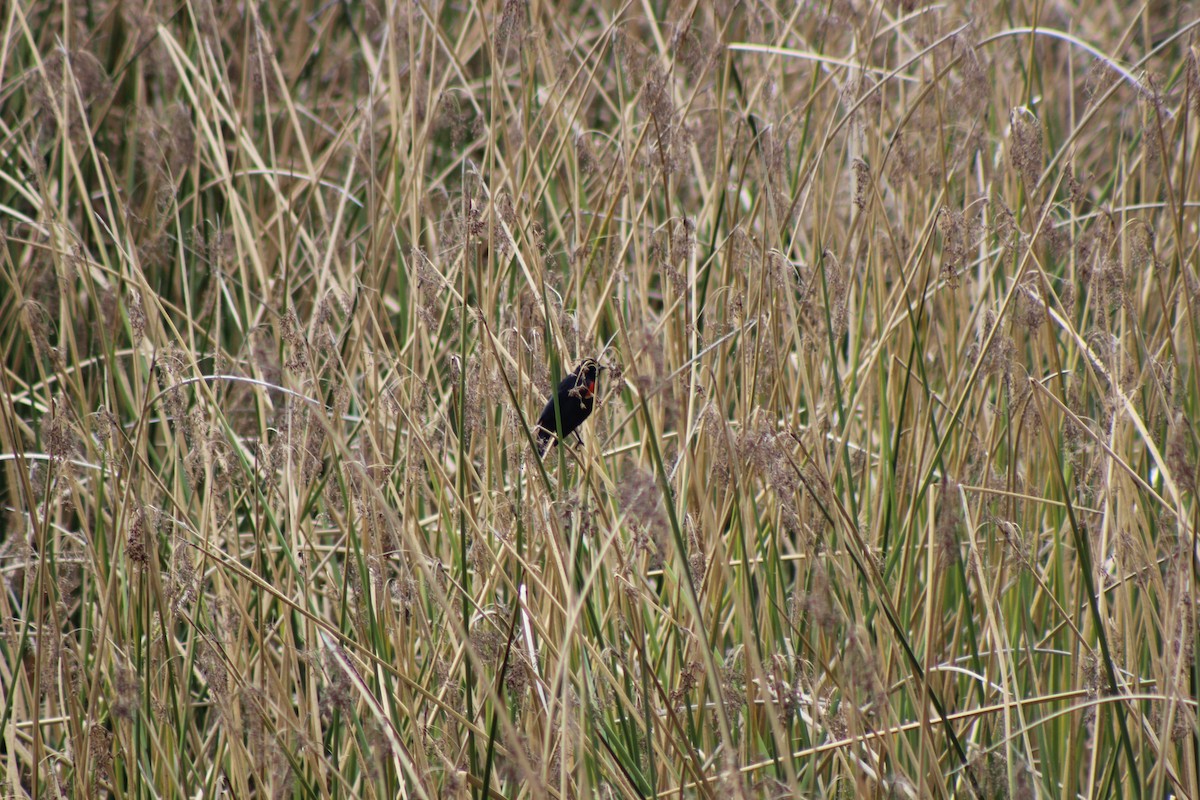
588	371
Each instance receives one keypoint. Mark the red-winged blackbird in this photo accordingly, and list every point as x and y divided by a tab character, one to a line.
576	396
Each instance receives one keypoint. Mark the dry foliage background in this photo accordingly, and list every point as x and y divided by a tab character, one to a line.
891	486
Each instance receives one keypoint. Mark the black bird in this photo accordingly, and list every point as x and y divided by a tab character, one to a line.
576	396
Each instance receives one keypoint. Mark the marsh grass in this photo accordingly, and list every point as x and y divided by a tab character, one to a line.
891	486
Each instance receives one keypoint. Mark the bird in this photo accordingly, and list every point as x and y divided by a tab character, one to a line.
576	395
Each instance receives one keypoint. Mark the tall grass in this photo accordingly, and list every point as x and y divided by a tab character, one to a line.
890	490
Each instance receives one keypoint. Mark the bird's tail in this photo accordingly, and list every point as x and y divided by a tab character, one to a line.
544	438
